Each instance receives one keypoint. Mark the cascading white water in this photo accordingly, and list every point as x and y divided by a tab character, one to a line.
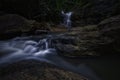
67	19
19	49
44	43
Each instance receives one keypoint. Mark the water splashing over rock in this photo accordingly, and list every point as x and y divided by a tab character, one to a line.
19	49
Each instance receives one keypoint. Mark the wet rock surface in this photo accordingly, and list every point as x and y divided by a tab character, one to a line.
79	42
33	70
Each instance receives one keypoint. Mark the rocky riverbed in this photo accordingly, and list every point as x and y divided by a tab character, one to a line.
91	40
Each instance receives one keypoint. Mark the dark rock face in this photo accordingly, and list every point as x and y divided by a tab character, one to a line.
96	11
110	32
12	25
66	44
80	42
102	39
93	40
11	21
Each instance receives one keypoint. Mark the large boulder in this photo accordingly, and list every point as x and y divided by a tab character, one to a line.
12	25
12	21
33	70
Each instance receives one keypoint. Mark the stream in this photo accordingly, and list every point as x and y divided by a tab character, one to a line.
41	49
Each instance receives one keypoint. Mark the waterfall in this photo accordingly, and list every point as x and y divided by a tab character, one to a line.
67	19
